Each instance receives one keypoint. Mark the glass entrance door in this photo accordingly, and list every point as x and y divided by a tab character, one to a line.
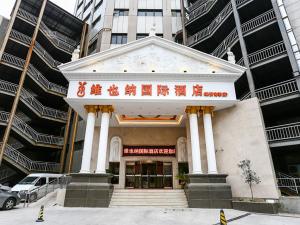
149	175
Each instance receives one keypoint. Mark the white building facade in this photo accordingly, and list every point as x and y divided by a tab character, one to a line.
155	109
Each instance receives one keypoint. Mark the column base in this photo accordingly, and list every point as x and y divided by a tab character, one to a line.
89	190
208	191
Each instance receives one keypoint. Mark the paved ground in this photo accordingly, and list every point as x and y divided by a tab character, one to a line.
56	215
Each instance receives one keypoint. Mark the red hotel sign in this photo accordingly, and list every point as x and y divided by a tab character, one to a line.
149	151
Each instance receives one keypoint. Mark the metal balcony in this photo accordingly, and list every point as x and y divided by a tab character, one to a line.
34	74
249	27
27	165
197	4
214	25
24	39
34	137
276	91
53	37
283	135
265	55
33	103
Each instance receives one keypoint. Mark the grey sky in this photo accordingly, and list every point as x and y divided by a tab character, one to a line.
7	5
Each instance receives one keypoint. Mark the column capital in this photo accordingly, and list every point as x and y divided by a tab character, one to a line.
192	109
207	109
91	108
106	108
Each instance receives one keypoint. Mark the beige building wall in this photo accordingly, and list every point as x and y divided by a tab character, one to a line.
239	134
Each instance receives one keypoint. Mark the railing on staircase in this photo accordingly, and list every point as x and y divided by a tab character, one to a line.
34	74
215	24
29	132
288	182
285	132
201	10
275	91
56	38
28	164
251	25
265	54
33	102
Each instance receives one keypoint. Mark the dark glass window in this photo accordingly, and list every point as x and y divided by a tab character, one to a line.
80	4
118	38
96	20
114	169
98	5
92	47
121	12
176	13
88	5
150	12
139	36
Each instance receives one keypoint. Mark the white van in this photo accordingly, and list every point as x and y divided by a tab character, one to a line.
33	181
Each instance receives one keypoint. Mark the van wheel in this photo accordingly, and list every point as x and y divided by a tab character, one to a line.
9	203
33	197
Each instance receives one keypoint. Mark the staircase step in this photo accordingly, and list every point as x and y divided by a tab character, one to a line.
149	198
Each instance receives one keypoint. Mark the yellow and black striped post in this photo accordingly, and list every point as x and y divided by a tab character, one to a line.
223	220
41	215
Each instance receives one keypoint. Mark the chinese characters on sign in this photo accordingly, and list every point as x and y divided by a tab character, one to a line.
148	90
149	151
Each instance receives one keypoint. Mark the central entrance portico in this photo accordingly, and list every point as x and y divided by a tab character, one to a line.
150	83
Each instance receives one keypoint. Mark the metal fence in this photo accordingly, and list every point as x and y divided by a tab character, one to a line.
28	164
40	192
30	100
283	132
34	74
288	182
23	128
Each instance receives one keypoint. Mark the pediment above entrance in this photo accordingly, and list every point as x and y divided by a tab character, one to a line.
151	57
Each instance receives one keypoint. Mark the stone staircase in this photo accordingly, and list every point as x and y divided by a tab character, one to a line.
149	198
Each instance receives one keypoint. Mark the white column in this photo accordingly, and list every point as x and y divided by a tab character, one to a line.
209	141
102	150
195	143
88	140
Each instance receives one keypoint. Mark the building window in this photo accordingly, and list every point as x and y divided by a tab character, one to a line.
114	170
139	36
118	39
80	4
87	17
96	20
98	5
176	13
121	12
88	5
92	47
78	145
150	12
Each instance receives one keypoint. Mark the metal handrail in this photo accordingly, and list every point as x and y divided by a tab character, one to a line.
247	27
42	191
197	4
215	24
29	99
56	40
29	132
266	53
34	74
201	10
283	132
28	164
289	182
274	91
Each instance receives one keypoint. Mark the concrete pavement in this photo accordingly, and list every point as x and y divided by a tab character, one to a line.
56	215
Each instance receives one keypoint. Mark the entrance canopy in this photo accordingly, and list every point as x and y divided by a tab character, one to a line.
151	80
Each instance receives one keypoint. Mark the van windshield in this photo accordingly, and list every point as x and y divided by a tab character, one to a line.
28	180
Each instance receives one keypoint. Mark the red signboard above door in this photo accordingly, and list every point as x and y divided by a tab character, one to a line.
149	151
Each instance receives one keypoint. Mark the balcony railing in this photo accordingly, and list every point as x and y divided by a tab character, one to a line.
285	181
33	102
29	132
57	40
197	4
38	48
286	132
28	164
247	27
275	91
265	54
201	10
215	24
34	74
